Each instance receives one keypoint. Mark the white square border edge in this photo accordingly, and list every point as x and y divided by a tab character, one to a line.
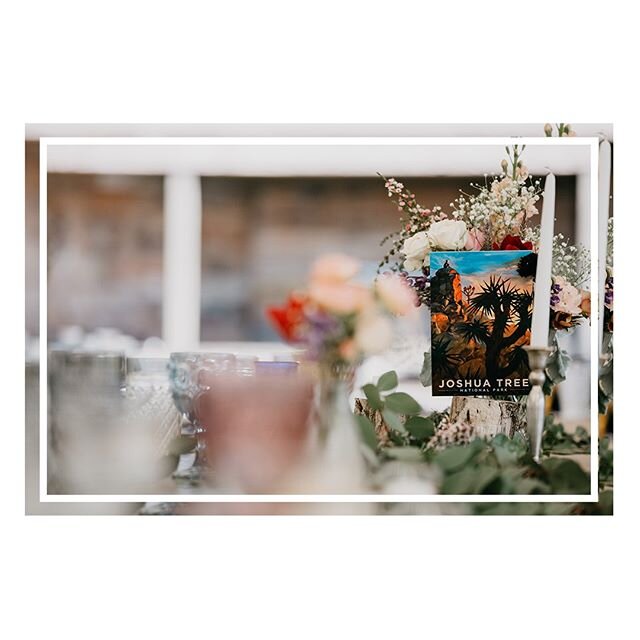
45	142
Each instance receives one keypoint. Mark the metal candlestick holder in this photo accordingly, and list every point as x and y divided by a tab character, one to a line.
535	402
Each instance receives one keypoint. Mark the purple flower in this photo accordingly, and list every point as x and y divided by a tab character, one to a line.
321	327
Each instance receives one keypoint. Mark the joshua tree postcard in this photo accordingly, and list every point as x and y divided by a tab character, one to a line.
481	305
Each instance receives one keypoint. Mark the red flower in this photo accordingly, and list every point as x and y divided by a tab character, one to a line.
513	243
288	318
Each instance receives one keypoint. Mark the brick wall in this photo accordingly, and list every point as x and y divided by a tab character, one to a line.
259	237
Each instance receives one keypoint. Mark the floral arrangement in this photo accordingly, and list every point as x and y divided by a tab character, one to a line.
459	461
608	285
339	320
605	381
495	217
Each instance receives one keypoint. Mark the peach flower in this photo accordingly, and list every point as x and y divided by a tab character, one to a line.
348	350
340	297
497	186
396	295
585	305
334	268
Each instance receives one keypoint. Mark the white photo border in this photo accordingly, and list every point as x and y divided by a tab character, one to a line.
591	142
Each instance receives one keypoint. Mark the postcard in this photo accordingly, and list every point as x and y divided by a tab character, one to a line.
481	305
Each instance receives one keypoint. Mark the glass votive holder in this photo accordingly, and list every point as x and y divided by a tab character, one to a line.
256	430
149	402
276	367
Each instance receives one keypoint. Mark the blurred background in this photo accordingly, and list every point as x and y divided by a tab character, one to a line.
168	247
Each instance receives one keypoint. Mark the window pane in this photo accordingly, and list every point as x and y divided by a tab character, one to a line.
259	237
105	253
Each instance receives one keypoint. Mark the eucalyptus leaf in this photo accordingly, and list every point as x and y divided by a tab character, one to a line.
420	428
393	420
405	454
403	403
367	431
388	381
373	396
455	457
605	385
506	456
566	476
530	485
425	374
557	365
605	503
470	480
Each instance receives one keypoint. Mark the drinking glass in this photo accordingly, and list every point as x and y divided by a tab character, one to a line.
149	402
85	409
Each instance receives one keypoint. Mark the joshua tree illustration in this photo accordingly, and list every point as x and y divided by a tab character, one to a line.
468	291
445	359
506	306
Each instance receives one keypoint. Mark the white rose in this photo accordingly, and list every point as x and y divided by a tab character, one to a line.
416	249
448	235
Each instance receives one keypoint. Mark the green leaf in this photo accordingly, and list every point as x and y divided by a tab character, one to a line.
469	480
605	386
530	485
557	364
367	432
425	374
605	503
420	428
566	476
393	420
403	403
406	454
181	445
505	455
455	457
373	396
388	381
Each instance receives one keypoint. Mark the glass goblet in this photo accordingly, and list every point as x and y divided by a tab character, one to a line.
183	367
185	374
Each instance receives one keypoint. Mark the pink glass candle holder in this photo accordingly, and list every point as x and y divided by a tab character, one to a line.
256	429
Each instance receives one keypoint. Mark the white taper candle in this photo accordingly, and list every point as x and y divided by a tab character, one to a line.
542	289
604	186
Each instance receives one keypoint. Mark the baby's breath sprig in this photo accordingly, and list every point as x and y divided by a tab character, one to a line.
572	262
413	218
502	206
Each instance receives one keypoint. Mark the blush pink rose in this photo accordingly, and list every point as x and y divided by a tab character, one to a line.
334	268
475	240
395	294
340	298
